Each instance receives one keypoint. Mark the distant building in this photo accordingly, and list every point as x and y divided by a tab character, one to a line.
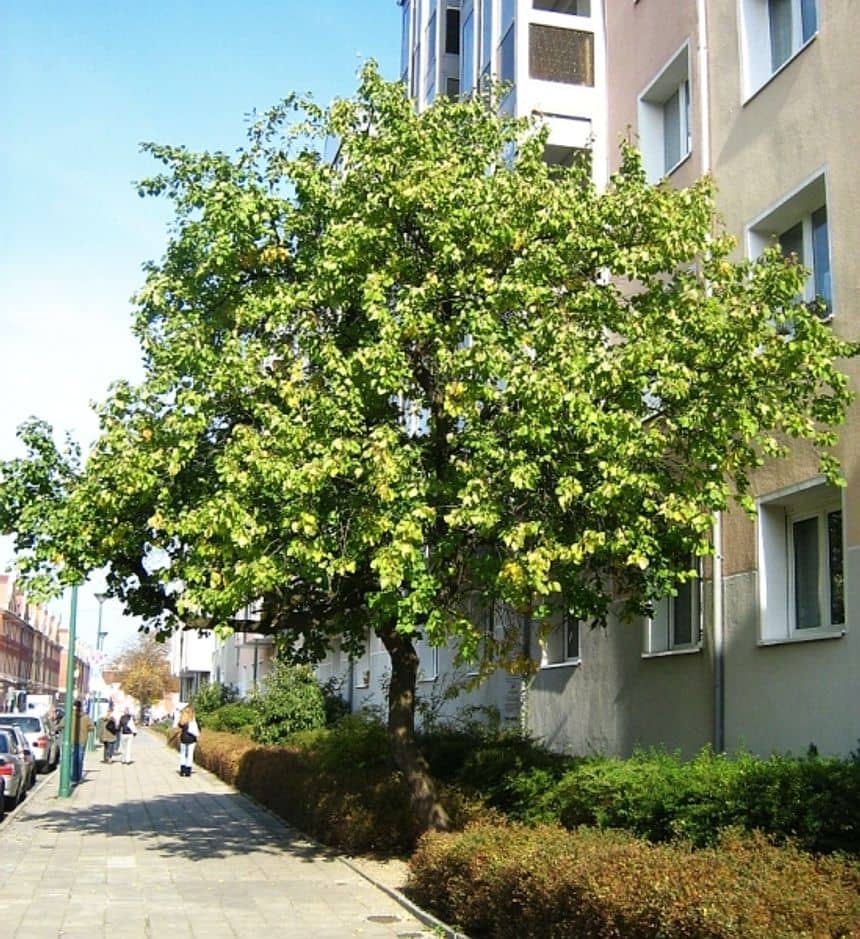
32	652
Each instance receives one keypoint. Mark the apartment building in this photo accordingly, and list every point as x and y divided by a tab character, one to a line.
30	646
763	651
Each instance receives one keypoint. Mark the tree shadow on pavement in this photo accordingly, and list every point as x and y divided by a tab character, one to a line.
190	825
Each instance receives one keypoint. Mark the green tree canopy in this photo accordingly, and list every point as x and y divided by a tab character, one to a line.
434	373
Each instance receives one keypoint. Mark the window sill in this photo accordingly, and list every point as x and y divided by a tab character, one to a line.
669	653
427	681
570	663
678	165
779	71
801	637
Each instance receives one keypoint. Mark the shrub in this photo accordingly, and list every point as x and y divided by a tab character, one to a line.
212	696
336	707
815	801
238	717
290	700
515	881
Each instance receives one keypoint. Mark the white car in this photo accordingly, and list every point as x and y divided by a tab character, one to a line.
42	740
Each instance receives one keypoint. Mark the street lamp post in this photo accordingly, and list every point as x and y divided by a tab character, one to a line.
100	640
69	718
100	636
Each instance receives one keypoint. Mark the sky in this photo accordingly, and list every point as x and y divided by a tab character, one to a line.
82	85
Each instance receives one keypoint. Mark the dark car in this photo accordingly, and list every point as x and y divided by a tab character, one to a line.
24	752
13	770
44	743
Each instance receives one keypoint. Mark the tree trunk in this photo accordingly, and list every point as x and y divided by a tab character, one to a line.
401	732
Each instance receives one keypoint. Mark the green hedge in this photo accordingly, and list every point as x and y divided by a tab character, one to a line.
814	800
516	881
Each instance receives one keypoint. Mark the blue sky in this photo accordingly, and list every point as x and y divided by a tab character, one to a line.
82	84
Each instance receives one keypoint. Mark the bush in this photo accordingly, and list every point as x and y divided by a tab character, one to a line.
815	801
212	696
236	718
336	707
291	700
514	881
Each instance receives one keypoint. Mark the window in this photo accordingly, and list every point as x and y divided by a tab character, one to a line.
676	625
405	41
430	77
561	646
575	7
802	581
467	57
452	31
486	33
665	129
561	55
791	23
361	667
506	56
452	88
428	660
799	226
773	32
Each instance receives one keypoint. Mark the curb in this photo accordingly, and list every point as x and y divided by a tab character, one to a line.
427	918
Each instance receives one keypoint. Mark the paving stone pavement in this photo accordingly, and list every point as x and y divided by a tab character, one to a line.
139	851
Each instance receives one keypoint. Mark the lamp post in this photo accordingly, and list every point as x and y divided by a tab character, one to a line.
69	717
100	636
97	667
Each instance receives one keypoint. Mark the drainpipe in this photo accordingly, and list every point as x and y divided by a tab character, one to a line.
702	54
719	638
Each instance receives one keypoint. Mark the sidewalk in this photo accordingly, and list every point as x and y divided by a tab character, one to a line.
138	851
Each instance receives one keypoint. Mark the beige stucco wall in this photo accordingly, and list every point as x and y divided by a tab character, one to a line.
641	39
806	118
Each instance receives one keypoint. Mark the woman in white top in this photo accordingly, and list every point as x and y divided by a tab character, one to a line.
127	733
189	731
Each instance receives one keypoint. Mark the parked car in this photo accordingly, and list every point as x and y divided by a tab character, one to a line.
24	752
13	770
44	743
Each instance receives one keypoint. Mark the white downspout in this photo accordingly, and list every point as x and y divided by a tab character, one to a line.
717	569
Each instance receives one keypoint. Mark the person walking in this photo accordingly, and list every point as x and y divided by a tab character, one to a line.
81	727
107	734
189	731
127	733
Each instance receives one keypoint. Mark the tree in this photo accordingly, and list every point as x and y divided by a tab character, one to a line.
143	671
433	375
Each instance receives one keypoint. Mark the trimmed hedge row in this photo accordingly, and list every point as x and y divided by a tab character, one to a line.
509	880
367	811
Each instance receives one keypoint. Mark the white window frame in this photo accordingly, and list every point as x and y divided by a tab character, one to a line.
661	628
777	514
673	78
428	661
431	70
555	647
548	8
468	50
797	206
755	35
